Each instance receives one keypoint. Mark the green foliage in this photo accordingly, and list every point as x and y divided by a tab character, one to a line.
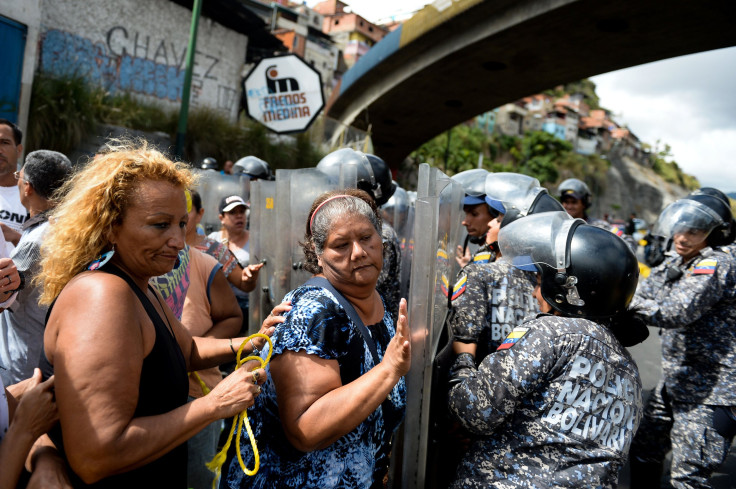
61	113
538	154
466	143
65	111
670	171
584	86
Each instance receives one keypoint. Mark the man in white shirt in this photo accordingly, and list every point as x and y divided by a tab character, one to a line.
12	212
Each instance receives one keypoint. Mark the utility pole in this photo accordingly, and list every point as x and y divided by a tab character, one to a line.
187	88
447	148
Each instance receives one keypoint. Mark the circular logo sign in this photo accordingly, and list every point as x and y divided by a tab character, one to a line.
283	93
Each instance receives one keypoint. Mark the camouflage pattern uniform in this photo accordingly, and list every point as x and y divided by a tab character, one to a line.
489	300
696	308
556	406
389	280
619	231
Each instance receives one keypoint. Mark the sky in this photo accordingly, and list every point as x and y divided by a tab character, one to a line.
687	102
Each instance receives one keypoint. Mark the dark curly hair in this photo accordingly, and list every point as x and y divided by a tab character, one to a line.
318	226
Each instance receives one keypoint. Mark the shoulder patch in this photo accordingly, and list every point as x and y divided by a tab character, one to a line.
705	267
445	285
482	258
459	287
515	335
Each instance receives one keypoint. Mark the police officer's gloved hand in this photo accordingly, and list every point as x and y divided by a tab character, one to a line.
629	327
463	368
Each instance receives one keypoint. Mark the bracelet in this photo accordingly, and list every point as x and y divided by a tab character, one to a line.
256	351
231	347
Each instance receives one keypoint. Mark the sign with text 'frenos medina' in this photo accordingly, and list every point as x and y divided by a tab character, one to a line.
284	93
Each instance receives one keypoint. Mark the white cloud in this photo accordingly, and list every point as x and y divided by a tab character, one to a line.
375	10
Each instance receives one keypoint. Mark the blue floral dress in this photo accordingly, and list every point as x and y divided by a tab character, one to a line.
318	325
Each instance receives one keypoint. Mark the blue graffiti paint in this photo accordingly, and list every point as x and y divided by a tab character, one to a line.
64	54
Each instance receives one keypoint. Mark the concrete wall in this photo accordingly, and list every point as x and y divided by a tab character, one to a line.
27	12
140	47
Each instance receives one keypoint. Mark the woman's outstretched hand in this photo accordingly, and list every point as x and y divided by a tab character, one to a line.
398	352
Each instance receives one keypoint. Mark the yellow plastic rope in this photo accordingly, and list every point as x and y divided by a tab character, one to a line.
215	465
202	385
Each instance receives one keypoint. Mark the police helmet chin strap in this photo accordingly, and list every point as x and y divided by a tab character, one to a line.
569	283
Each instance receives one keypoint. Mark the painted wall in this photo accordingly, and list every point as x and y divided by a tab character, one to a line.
140	47
28	13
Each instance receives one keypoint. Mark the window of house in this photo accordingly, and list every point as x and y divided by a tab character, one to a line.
337	21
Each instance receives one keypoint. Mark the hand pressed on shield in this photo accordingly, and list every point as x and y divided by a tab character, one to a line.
462	257
398	352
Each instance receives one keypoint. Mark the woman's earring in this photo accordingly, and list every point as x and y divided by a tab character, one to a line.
102	259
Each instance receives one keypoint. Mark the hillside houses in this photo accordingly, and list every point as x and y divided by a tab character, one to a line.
568	118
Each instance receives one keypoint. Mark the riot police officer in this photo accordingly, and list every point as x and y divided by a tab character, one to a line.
374	176
208	163
576	198
253	167
558	403
491	298
691	297
478	216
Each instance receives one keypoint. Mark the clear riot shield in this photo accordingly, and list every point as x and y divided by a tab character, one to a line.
213	187
262	249
279	231
399	213
437	210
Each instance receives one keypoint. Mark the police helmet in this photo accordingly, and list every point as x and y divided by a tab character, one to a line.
730	235
474	185
397	205
209	163
576	189
253	167
585	271
701	211
516	195
374	175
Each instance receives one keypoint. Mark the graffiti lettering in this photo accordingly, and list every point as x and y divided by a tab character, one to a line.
127	61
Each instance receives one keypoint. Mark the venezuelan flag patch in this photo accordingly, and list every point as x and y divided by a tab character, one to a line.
482	258
512	338
444	286
705	267
459	287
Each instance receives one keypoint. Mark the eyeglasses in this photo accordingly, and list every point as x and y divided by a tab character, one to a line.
17	176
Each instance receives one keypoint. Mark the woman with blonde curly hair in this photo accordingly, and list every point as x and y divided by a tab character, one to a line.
119	355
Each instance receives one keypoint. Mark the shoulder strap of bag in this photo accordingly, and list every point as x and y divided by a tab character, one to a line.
350	310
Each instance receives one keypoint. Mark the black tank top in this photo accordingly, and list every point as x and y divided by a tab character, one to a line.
164	386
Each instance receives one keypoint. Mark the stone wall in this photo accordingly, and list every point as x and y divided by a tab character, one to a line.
631	187
140	47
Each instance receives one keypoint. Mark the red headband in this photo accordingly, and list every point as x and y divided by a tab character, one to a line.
311	219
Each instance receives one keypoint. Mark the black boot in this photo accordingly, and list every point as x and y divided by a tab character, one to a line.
645	475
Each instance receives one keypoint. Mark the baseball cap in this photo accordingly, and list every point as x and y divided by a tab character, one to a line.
474	200
229	203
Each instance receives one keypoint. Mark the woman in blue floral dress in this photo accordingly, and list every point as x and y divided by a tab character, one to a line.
329	409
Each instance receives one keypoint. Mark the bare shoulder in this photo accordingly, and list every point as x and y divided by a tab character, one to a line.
94	307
